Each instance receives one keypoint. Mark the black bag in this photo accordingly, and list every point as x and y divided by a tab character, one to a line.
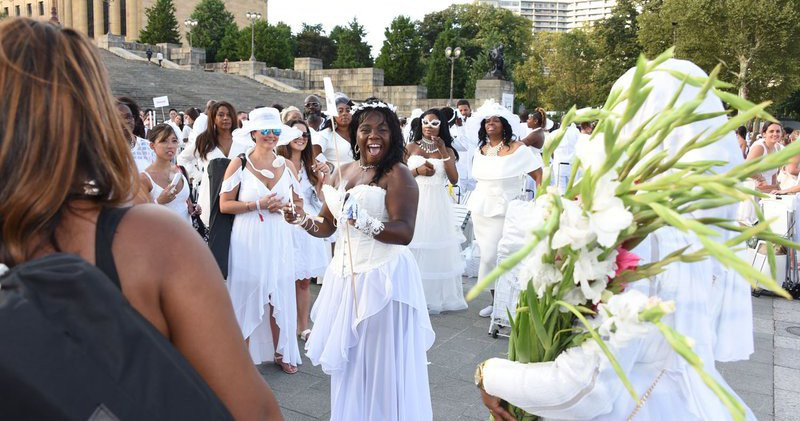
197	223
73	348
220	224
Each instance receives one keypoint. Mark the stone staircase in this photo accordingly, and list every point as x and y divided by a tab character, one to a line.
142	82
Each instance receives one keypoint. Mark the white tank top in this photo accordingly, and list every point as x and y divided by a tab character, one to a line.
177	205
766	174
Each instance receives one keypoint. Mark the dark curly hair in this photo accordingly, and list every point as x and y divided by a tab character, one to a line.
208	140
444	129
508	133
397	150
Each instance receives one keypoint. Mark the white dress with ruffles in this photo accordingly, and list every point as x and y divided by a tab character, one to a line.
311	253
261	270
375	351
437	241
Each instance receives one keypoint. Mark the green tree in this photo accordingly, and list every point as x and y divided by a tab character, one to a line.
437	76
790	107
559	72
312	42
230	46
161	24
617	47
756	41
351	50
401	53
214	21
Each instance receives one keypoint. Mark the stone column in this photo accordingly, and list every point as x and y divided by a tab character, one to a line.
115	24
97	7
66	11
81	19
132	7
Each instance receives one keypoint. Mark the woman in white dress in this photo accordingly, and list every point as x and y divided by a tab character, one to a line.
437	241
311	253
261	262
327	141
500	167
371	325
770	143
158	180
712	306
216	141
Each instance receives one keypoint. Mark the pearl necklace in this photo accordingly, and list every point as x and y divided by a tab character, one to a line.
493	150
365	167
428	146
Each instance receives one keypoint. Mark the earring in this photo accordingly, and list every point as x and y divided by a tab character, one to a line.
90	188
357	149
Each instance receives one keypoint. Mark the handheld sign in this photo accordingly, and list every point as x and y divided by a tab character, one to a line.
330	96
161	101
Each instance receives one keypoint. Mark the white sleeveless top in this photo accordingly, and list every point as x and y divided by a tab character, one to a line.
766	174
178	204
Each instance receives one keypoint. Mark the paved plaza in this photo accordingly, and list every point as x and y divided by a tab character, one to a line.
769	382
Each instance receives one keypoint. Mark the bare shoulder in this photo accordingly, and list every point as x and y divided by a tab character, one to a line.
291	167
399	175
515	145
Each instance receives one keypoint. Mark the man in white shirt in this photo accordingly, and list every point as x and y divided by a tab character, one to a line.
140	148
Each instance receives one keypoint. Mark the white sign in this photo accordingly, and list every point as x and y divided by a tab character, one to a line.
330	100
161	101
508	102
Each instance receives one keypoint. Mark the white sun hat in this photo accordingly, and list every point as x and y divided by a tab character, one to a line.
490	108
266	118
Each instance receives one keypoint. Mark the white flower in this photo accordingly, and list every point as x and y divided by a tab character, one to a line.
620	317
608	215
573	228
591	151
592	274
539	273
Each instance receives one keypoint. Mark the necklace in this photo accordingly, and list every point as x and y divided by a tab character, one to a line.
493	150
428	146
365	167
264	173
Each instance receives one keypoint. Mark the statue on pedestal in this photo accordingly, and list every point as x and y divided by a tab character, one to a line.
497	63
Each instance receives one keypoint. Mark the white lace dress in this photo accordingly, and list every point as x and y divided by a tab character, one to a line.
311	253
437	241
375	351
261	270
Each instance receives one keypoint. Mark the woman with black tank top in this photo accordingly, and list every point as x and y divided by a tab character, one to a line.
66	179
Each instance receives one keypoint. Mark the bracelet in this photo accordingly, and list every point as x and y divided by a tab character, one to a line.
368	225
258	205
416	172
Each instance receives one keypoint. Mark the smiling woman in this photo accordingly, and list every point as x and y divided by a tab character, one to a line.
163	181
371	325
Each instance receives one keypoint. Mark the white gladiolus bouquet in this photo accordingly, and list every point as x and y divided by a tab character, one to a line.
623	188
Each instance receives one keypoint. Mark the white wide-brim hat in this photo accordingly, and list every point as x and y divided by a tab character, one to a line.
490	108
266	118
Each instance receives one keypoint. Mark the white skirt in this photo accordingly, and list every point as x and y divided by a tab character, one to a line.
376	359
311	255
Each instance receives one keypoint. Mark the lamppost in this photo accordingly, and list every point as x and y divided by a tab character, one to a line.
452	55
190	24
253	17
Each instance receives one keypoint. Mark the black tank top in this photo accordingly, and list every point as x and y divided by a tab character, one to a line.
107	222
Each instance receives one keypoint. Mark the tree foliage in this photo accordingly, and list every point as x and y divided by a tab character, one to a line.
162	26
312	42
351	50
437	76
756	41
617	47
214	23
401	53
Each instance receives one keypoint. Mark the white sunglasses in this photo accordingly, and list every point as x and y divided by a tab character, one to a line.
431	123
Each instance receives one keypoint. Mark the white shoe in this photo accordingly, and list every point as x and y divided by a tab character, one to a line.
486	312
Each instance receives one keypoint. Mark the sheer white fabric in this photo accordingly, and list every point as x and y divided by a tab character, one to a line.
143	154
437	241
178	204
261	270
311	253
375	352
712	306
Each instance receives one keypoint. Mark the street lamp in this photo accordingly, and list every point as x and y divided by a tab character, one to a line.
452	55
190	24
253	17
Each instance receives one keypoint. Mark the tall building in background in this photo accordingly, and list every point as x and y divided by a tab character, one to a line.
119	17
558	15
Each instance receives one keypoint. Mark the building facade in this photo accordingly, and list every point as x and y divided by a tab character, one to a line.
558	15
119	17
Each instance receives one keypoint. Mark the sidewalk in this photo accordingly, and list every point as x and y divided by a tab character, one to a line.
769	382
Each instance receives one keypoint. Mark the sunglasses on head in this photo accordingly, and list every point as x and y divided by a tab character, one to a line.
431	123
276	132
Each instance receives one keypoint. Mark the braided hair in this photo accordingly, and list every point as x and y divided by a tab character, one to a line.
444	129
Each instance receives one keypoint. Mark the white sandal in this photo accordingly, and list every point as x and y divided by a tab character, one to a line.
305	334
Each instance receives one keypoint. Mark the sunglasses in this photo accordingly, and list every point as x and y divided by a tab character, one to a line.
431	123
305	135
276	132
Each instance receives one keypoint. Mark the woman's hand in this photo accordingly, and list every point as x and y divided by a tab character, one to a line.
293	214
271	203
321	167
194	209
166	196
425	169
495	406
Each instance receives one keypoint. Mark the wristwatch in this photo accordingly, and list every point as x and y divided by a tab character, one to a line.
479	375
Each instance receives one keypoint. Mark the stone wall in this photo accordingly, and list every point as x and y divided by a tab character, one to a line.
358	84
193	58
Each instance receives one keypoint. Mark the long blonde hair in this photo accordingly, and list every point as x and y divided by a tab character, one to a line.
60	130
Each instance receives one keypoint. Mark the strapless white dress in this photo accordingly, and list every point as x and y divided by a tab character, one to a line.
437	241
375	350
